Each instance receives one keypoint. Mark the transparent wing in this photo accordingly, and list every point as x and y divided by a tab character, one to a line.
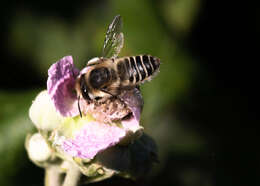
114	40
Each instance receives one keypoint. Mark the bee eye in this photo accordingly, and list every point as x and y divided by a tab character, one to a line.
84	93
84	89
99	77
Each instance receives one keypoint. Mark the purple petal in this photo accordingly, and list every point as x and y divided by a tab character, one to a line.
93	138
60	85
96	136
134	101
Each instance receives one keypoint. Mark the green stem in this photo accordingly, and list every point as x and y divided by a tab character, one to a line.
52	176
72	176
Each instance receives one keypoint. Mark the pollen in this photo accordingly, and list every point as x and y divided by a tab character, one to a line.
108	111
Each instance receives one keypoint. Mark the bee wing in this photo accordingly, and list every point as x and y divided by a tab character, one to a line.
114	39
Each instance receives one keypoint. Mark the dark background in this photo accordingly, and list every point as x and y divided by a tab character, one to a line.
212	110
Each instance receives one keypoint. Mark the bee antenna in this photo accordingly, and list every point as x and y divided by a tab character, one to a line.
79	107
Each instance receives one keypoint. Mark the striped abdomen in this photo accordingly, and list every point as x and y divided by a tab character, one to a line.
137	69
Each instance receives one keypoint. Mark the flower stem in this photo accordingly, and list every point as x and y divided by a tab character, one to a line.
72	176
52	176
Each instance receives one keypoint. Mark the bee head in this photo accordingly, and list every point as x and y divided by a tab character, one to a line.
99	77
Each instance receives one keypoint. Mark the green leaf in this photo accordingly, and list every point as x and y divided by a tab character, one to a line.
14	125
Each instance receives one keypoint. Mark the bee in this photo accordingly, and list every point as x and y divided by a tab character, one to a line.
108	75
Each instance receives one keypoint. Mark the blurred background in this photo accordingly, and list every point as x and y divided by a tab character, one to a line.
196	109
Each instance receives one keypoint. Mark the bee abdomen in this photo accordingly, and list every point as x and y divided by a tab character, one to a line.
146	67
137	69
151	63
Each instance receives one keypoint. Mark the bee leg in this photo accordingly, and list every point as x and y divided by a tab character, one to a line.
104	90
79	107
115	96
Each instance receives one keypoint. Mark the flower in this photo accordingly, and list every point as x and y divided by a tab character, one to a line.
102	128
102	125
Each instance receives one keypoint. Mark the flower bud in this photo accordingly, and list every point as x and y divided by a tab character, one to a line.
37	148
43	113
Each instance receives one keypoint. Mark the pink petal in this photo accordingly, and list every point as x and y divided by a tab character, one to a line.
134	101
60	85
96	136
93	138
